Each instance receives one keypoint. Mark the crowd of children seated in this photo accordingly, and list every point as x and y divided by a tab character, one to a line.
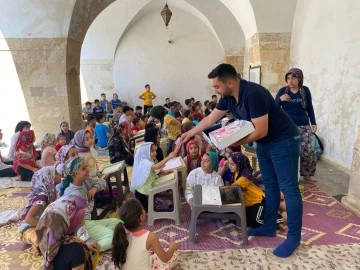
59	209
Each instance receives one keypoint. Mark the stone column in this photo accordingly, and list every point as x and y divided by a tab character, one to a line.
236	59
41	68
271	51
352	200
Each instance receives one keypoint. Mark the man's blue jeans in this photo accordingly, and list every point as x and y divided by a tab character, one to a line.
278	161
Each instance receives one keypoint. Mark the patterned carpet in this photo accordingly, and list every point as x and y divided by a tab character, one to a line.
330	240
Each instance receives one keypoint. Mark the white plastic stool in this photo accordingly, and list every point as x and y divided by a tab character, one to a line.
166	182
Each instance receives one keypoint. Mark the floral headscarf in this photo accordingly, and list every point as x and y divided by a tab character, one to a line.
297	73
42	189
244	168
57	225
26	151
79	141
70	168
49	139
61	156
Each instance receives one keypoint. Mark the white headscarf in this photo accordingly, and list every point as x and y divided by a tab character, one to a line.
142	166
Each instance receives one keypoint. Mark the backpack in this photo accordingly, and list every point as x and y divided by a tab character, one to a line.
318	146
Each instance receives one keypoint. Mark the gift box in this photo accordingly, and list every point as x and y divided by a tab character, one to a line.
231	133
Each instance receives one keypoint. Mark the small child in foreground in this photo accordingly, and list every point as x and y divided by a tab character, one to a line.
132	243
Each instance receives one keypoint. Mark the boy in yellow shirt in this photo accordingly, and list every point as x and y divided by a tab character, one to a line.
147	96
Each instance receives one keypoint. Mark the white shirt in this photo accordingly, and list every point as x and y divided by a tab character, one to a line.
199	177
13	142
137	256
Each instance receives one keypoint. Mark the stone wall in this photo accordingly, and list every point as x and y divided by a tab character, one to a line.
236	60
41	68
274	52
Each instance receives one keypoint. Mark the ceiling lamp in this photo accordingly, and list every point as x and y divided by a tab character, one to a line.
166	14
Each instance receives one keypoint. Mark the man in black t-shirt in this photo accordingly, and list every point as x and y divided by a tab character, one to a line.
277	148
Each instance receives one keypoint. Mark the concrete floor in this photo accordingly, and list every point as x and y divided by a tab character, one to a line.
334	180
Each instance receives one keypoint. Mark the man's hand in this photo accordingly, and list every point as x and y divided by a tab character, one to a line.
186	137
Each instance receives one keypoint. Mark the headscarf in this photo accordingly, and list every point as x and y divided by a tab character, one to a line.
26	151
48	140
61	156
190	161
70	168
159	113
214	160
79	141
117	129
151	135
244	168
42	191
142	165
297	73
57	224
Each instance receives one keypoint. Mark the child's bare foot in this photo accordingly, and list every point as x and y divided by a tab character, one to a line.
281	227
310	179
284	216
18	178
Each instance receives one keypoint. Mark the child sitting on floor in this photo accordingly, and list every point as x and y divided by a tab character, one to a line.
193	158
60	141
254	197
118	148
48	150
84	145
64	130
132	243
41	195
224	170
145	171
206	175
25	156
135	128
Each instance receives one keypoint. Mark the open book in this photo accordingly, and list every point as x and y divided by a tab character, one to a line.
212	195
112	168
173	164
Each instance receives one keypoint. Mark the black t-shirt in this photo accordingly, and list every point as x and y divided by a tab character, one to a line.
256	101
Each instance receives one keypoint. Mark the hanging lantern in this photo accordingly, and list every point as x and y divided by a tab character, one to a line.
166	15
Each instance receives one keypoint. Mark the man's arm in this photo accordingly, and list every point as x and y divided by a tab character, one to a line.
207	122
261	125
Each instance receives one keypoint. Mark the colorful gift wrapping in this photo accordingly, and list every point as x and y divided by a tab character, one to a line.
233	132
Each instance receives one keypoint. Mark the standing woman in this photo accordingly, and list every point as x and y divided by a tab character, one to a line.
295	99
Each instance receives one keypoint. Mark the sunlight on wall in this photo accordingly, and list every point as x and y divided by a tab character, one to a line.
83	92
13	101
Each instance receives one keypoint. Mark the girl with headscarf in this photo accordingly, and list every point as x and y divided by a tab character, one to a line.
224	170
65	131
254	197
145	171
25	155
152	134
84	145
206	175
41	195
100	231
118	148
172	126
21	126
193	158
295	99
57	227
48	150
